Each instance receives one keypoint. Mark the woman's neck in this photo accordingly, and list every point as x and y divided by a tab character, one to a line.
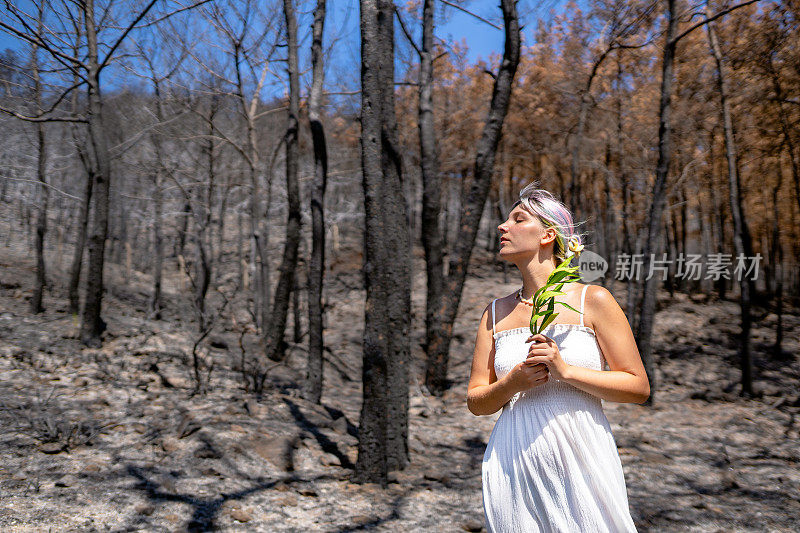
534	277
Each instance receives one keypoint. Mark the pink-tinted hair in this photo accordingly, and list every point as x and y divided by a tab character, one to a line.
552	213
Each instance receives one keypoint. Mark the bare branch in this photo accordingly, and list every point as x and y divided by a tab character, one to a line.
710	19
39	118
37	40
270	111
37	182
168	15
408	35
125	34
130	142
492	24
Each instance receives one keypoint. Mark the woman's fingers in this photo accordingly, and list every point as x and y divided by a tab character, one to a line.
533	363
539	338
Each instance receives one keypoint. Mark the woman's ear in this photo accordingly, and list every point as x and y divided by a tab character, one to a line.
548	236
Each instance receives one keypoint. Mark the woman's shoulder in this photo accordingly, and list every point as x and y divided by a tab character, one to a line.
500	305
597	293
599	302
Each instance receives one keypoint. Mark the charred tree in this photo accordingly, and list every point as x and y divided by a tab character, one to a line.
316	266
474	201
92	325
647	307
275	330
432	239
741	232
383	423
41	176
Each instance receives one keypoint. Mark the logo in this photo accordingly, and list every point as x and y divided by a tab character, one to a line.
591	266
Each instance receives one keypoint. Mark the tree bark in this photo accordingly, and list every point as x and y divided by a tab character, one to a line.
741	233
471	210
41	222
41	175
383	423
785	128
432	240
158	206
316	266
204	253
644	332
92	325
80	240
184	227
274	332
158	247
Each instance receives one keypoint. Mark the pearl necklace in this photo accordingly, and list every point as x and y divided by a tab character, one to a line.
523	300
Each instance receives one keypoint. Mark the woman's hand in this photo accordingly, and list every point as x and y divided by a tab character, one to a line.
526	375
543	349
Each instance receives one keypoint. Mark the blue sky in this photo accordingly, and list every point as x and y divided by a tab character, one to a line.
452	25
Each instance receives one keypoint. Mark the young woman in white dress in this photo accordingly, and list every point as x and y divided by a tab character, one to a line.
551	463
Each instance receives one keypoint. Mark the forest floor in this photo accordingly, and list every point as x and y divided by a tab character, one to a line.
111	439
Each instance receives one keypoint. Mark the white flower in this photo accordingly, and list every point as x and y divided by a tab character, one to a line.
574	246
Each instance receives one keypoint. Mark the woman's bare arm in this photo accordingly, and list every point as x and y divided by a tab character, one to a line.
485	393
626	382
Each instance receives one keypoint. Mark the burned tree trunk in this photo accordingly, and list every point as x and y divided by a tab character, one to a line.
92	325
158	247
41	169
80	232
383	424
274	331
644	333
41	223
432	239
316	267
741	232
472	209
644	330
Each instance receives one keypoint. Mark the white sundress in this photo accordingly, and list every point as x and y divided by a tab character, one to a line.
551	463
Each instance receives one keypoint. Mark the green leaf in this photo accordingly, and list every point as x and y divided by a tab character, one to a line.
536	328
570	307
538	292
549	319
549	294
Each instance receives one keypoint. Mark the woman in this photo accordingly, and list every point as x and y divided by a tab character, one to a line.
551	463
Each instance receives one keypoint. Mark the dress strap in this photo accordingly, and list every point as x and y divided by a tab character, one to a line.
493	301
583	297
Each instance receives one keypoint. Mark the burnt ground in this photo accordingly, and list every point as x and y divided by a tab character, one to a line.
112	439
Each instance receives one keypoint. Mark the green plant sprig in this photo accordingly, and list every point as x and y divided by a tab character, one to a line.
544	299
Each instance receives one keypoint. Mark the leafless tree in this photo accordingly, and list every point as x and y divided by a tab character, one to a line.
477	189
275	328
644	331
383	424
741	232
316	266
99	53
41	173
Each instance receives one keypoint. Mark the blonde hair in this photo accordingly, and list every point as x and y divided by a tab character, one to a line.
553	214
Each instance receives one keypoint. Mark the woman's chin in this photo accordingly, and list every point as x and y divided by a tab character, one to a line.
508	254
504	253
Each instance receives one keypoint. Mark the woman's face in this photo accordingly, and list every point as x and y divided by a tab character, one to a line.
523	234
